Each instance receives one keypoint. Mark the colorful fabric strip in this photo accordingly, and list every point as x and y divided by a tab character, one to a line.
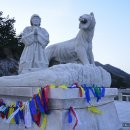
103	92
94	110
87	95
12	115
39	104
69	117
44	101
27	116
33	109
43	125
74	114
16	117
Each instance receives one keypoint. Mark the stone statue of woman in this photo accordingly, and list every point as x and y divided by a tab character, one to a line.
35	38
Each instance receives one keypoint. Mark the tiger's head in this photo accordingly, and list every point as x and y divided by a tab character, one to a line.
87	21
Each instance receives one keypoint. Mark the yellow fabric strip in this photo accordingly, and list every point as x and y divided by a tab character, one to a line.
11	110
43	125
82	90
63	86
52	86
94	110
39	93
21	108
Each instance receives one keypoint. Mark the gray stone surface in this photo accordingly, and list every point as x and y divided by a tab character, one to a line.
61	74
59	102
57	93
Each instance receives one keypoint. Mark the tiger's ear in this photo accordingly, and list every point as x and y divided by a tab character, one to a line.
92	14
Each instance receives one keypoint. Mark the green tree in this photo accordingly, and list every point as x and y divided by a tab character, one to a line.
10	47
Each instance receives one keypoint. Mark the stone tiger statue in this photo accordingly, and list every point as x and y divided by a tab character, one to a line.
78	49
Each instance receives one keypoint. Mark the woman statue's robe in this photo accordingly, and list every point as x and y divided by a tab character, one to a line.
33	57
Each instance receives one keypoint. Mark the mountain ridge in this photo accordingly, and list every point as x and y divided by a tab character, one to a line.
120	78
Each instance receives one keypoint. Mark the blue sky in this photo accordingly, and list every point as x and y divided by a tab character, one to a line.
111	42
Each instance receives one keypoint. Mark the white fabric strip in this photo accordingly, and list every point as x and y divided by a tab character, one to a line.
27	116
1	107
11	116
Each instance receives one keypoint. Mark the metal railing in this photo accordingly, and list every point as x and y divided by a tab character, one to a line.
124	94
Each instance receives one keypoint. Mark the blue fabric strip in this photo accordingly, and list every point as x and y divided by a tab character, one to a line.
32	108
20	113
87	95
39	104
69	117
16	117
92	91
103	92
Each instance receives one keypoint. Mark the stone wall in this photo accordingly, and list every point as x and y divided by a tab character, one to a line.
60	101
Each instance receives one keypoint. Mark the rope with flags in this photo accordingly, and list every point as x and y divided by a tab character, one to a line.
36	109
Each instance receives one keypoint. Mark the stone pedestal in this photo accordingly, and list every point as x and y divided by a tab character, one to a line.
60	101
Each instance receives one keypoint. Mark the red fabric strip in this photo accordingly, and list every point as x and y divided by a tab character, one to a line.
73	112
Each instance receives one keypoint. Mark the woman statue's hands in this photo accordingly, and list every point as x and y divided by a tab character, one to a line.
35	34
35	31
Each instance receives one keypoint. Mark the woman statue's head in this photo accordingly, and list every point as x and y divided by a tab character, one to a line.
35	20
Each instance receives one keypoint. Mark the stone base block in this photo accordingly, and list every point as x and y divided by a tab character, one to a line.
59	102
